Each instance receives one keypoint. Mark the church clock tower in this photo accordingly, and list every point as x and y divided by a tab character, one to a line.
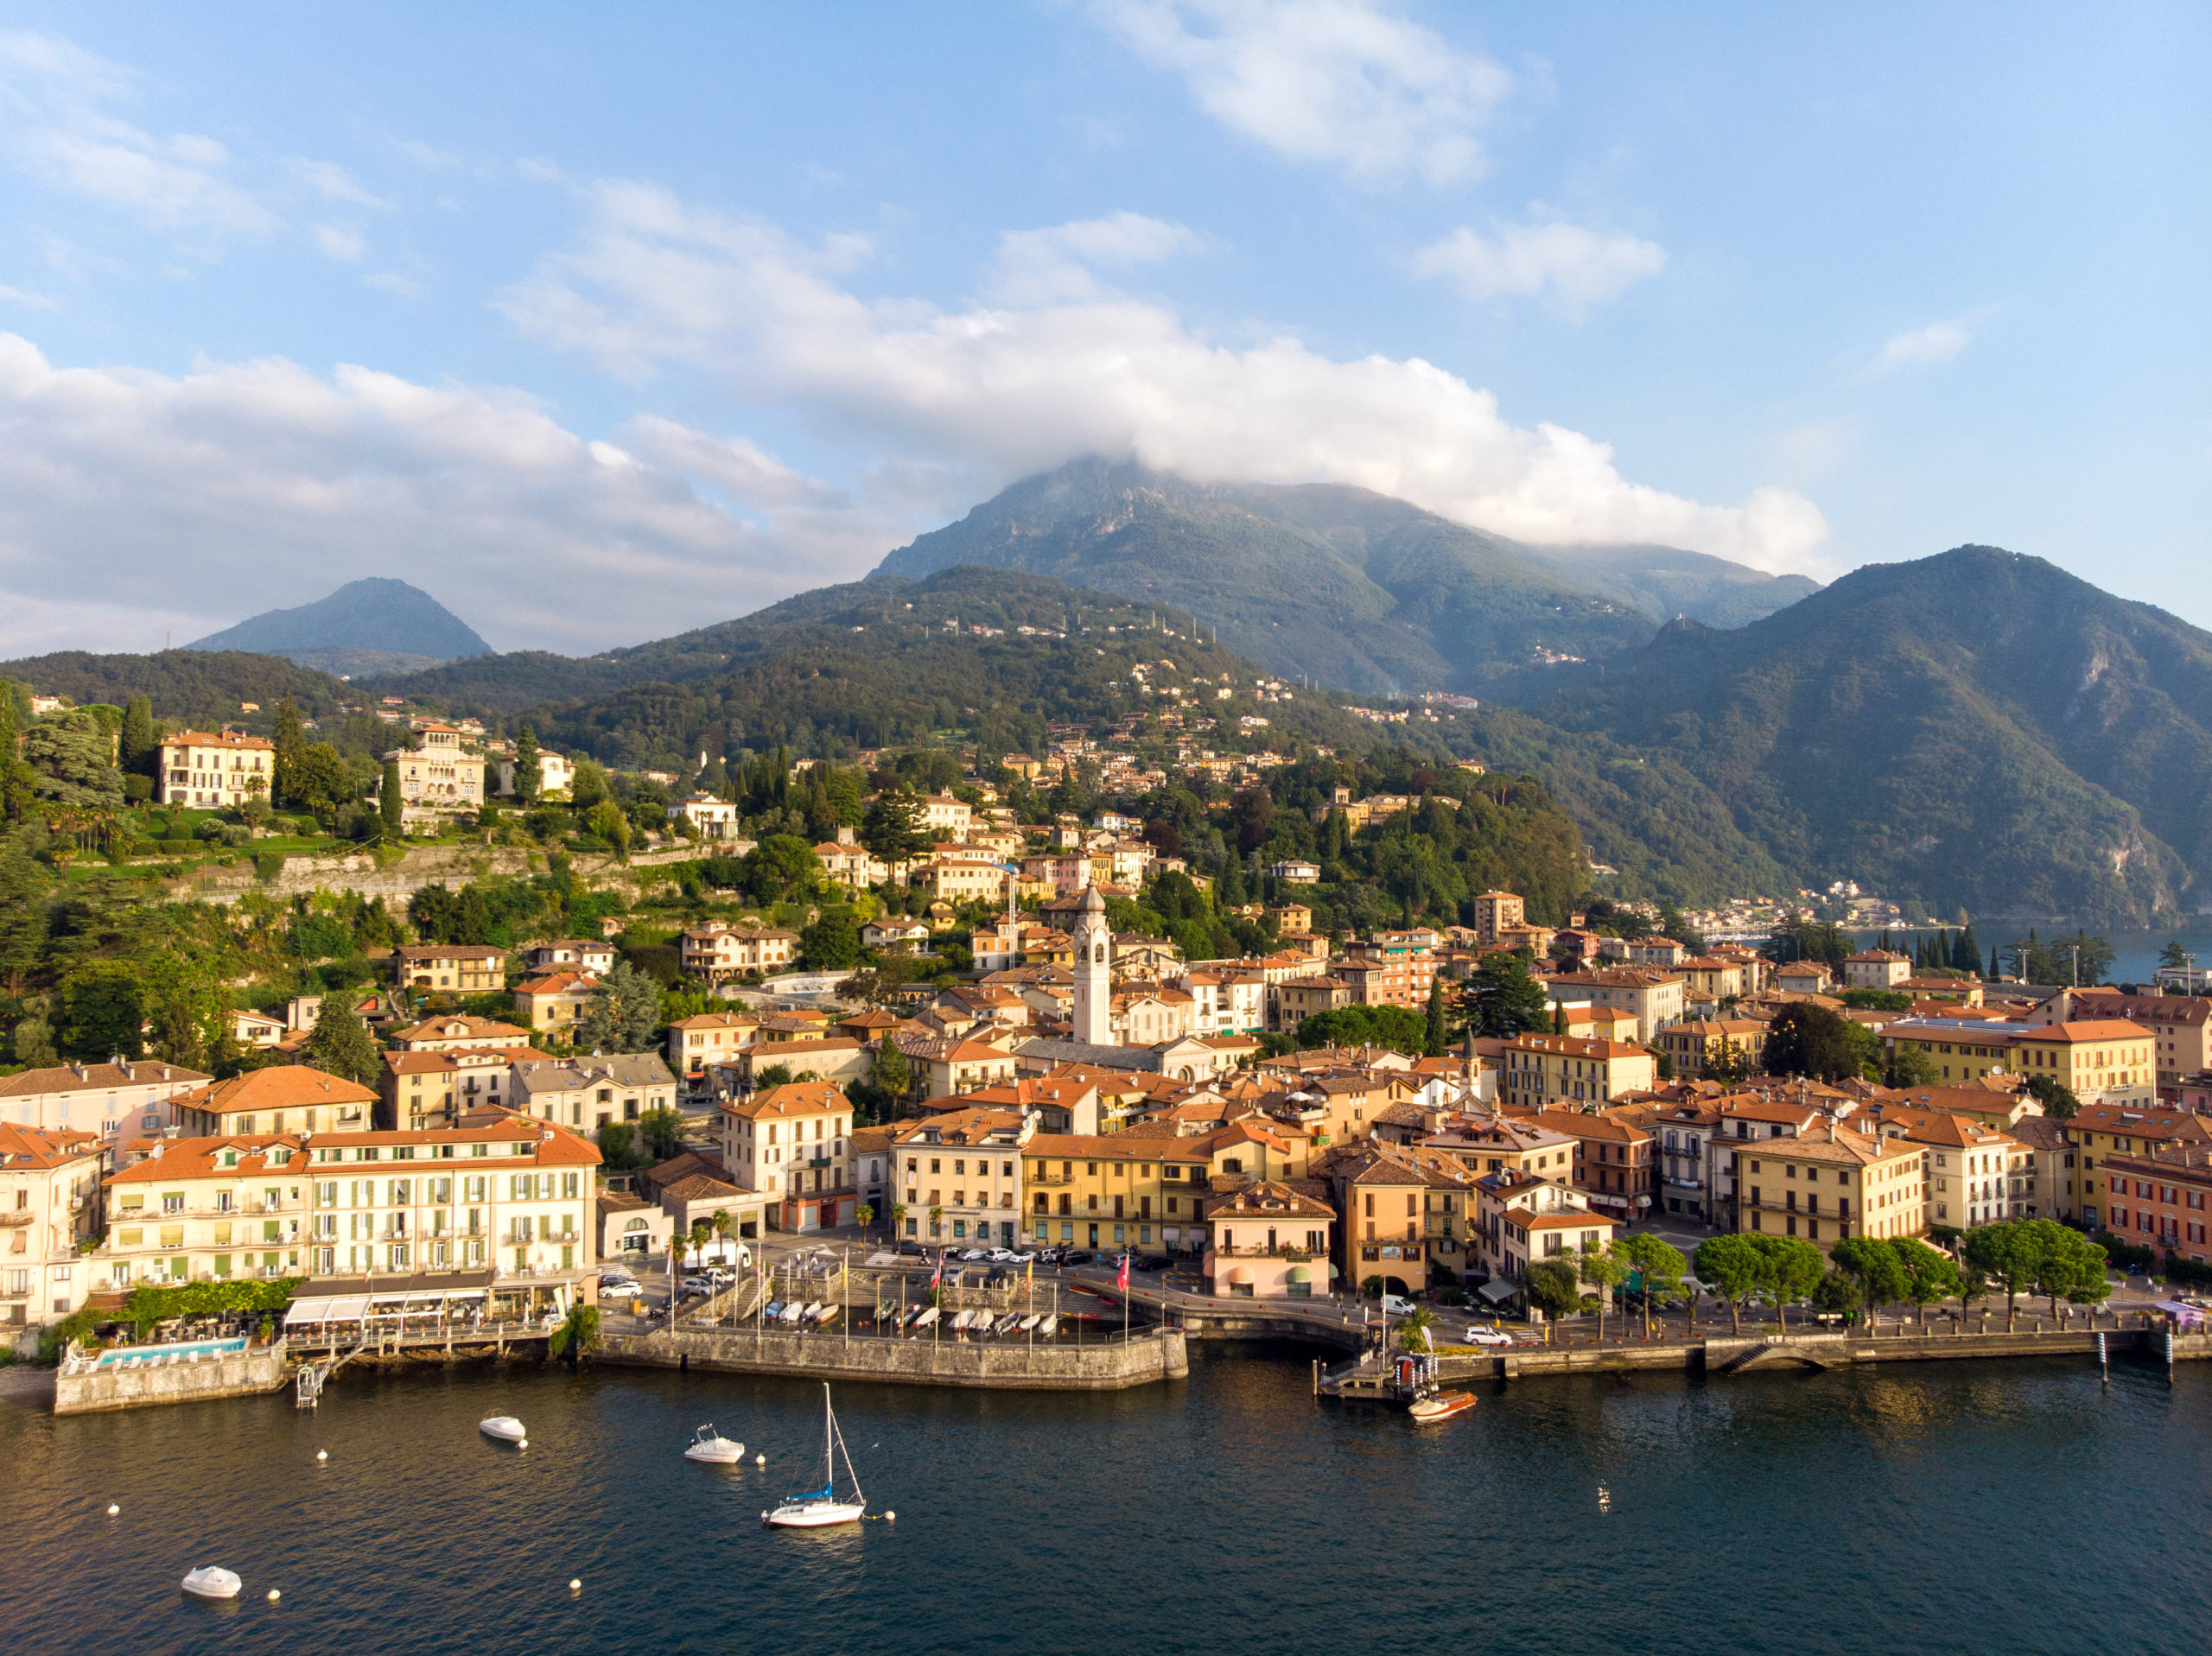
1094	971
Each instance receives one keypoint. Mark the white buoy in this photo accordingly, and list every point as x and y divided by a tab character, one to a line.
758	1460
891	1517
575	1583
112	1510
273	1595
322	1455
522	1443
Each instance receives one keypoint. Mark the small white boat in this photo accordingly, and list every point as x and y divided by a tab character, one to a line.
829	1314
961	1321
1440	1405
1052	1321
1006	1324
820	1507
505	1428
212	1581
813	1311
793	1311
1030	1322
708	1445
928	1316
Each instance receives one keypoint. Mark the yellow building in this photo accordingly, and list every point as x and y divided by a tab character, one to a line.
1539	1072
1129	1190
2104	1059
215	771
1829	1182
2098	1131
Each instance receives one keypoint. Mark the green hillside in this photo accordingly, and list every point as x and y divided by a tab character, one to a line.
190	686
1667	581
1979	730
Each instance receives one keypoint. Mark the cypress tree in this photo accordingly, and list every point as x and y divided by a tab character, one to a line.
1965	951
390	806
291	744
136	749
526	768
16	778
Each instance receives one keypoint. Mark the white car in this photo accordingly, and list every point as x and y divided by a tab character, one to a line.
1489	1338
1394	1306
617	1288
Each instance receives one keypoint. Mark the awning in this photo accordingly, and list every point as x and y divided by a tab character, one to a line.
350	1309
1498	1291
1242	1274
307	1310
1300	1274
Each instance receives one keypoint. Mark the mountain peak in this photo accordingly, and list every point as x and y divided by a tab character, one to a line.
374	625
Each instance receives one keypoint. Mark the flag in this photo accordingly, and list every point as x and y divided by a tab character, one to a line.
937	1276
1121	1281
1029	1274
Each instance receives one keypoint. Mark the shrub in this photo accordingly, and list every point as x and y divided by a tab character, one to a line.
137	791
268	864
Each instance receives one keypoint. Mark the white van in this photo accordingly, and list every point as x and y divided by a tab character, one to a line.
1394	1306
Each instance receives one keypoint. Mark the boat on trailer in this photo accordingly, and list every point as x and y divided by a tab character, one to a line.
821	1508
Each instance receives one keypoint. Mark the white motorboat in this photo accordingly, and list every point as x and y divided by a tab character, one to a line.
820	1507
793	1311
929	1316
212	1581
1052	1321
961	1321
829	1314
505	1428
813	1311
708	1445
1006	1324
1030	1322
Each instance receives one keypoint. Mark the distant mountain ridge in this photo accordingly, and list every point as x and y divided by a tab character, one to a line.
1979	729
373	625
1355	589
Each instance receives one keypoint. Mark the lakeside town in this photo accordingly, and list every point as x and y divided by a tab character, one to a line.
1499	1128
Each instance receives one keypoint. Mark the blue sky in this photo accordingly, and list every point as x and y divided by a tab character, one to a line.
601	323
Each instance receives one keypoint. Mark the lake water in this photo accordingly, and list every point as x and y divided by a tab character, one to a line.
1970	1507
2135	953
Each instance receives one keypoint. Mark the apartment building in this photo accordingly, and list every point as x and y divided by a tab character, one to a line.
1520	1217
551	1004
2106	1060
2159	1198
289	1098
1267	1241
454	968
514	1196
790	1144
49	1206
1539	1072
112	1101
718	951
2180	1027
708	1038
958	1176
457	1034
1827	1183
2100	1131
1134	1190
587	1093
1654	995
1496	912
1392	969
214	771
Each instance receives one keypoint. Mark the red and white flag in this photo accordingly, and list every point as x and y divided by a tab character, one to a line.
1121	1281
936	1277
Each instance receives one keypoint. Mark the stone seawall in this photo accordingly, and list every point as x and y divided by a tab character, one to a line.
94	1390
1108	1366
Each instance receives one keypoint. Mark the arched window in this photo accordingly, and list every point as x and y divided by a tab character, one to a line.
1098	953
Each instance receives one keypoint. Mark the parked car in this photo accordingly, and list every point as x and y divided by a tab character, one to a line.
719	1277
619	1287
908	1248
1489	1338
697	1285
1394	1306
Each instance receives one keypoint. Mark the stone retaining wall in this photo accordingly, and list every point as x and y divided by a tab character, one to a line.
248	1374
1108	1366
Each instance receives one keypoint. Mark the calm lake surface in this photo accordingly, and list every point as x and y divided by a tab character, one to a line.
1989	1506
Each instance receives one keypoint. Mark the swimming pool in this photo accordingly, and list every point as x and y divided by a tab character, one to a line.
147	1356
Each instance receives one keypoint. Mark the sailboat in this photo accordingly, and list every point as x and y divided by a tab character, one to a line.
821	1506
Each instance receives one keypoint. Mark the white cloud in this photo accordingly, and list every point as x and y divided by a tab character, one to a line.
21	297
238	487
1923	347
332	181
995	392
1343	83
56	127
1039	266
393	281
1546	257
344	245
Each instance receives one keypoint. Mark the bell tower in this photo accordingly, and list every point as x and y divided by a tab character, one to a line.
1094	971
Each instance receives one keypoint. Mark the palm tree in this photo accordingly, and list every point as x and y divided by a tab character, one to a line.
937	1221
898	1217
865	1215
1413	1331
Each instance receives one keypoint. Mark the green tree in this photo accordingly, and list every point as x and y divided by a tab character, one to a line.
2059	1101
1508	1000
1789	1267
1554	1287
1605	1269
138	747
321	780
23	888
663	1131
103	1012
776	1075
1435	1047
864	1216
391	805
623	1015
2174	957
1661	1266
288	737
606	823
1931	1276
1874	1265
1817	1042
340	1044
2068	1265
187	1004
1837	1291
2008	1253
73	761
1731	1268
587	785
617	1147
892	832
1413	1331
1910	1066
527	769
17	778
577	1334
831	943
891	1071
1400	1028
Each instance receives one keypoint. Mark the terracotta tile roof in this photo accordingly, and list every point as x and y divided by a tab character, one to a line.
794	1098
96	1077
282	1086
21	1146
